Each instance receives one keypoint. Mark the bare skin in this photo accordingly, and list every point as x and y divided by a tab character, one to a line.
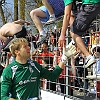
75	37
11	28
80	43
35	14
11	99
48	6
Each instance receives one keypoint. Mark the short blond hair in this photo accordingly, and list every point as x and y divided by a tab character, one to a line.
15	45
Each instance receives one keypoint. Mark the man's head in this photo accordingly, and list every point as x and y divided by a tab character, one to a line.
19	47
44	46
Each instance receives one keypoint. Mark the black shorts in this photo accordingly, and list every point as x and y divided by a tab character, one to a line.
76	9
85	16
21	33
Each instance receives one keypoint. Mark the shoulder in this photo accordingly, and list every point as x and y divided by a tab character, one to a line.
10	65
8	69
35	65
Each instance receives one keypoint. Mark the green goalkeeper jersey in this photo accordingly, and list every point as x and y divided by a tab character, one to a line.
23	80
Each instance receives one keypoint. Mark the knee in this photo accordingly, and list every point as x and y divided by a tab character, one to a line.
44	1
32	13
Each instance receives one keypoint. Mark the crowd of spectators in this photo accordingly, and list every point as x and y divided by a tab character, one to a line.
49	53
50	50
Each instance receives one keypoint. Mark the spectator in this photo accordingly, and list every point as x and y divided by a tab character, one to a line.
80	71
3	57
62	77
21	78
96	51
9	59
96	70
52	41
97	38
41	14
80	25
41	54
87	38
12	29
44	52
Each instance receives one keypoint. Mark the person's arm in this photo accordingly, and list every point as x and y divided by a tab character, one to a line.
61	65
55	61
47	74
66	20
73	68
20	21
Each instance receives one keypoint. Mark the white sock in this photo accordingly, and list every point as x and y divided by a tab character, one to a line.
42	33
52	15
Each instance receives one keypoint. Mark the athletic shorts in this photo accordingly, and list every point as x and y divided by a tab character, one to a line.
44	9
84	18
21	33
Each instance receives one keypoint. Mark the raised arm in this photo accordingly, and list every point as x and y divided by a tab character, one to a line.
66	20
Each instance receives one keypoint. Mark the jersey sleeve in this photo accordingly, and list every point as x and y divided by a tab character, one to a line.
47	74
6	82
